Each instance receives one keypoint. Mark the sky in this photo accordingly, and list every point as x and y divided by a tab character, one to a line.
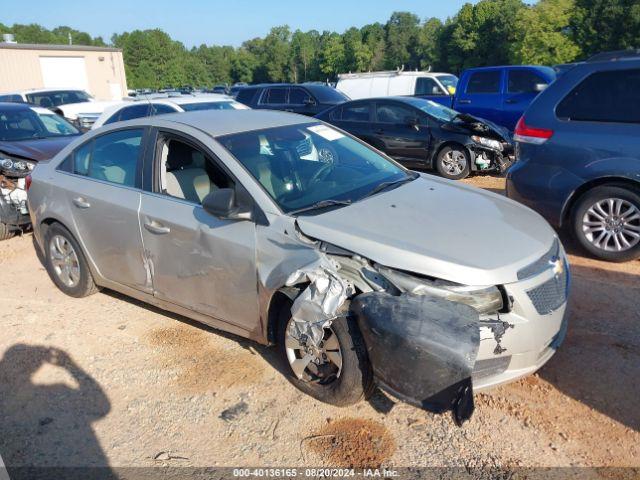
215	22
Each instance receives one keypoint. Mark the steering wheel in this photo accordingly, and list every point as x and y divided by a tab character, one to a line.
321	174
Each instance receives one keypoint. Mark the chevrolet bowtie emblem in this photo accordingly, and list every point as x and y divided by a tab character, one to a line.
558	266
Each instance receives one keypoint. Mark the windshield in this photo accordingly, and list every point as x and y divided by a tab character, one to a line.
433	109
302	165
326	94
450	82
60	97
192	107
28	125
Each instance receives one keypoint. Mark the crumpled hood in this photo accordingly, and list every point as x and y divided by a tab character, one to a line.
479	126
438	228
37	149
71	110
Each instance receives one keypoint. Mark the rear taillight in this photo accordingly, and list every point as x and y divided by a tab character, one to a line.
27	182
527	134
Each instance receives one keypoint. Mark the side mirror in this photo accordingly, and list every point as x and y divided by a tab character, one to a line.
436	91
309	101
221	203
538	87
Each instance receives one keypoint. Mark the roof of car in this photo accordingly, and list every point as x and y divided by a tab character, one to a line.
43	90
201	98
224	122
14	107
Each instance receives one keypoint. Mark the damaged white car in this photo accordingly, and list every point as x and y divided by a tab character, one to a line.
360	271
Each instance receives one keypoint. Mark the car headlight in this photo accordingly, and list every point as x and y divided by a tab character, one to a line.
483	299
16	167
487	142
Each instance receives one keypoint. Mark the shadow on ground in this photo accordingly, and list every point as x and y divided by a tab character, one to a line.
599	363
45	427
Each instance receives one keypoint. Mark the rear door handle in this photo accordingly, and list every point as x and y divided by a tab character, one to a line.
156	227
80	202
510	100
464	101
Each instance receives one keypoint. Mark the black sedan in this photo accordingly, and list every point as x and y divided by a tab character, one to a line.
424	134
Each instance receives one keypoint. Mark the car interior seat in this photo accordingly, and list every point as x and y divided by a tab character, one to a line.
184	172
263	167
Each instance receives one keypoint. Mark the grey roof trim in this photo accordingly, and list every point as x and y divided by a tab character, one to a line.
72	48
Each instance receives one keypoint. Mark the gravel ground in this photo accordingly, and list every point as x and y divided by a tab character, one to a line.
106	380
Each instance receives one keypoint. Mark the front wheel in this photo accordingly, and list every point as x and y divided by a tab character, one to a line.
337	372
453	162
606	223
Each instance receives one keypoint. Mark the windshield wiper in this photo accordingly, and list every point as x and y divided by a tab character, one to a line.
319	205
384	185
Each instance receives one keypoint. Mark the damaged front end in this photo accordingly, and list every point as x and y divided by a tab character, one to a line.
490	145
13	192
422	336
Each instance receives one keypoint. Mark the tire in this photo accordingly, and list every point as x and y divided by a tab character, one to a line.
5	232
83	284
453	162
609	203
355	381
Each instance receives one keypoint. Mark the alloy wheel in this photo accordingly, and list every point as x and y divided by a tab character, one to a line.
64	261
612	224
320	364
454	162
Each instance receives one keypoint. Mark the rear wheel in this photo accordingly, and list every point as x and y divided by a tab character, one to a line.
5	231
606	223
453	162
337	371
66	263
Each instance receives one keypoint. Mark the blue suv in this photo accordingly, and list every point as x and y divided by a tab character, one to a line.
578	155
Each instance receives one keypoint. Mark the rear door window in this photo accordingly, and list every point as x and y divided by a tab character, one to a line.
484	82
356	113
612	96
524	81
113	157
275	96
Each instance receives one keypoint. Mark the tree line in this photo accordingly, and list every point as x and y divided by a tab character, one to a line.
491	32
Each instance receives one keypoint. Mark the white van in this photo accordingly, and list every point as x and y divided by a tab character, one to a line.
393	83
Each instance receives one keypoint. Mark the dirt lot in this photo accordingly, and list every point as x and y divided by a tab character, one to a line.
107	380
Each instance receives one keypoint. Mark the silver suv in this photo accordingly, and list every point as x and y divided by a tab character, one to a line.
287	231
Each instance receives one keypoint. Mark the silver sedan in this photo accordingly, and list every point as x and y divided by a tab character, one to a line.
287	231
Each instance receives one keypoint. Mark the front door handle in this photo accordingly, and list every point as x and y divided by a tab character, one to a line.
156	227
510	100
80	202
464	101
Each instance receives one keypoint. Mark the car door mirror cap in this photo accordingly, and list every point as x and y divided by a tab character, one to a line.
222	203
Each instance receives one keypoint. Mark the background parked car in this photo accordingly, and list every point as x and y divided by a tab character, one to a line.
578	156
424	134
147	107
435	86
305	99
77	106
498	94
28	135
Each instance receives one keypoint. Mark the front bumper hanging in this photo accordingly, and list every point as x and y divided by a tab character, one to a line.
422	349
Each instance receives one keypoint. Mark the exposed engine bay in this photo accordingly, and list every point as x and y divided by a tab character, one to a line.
14	211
